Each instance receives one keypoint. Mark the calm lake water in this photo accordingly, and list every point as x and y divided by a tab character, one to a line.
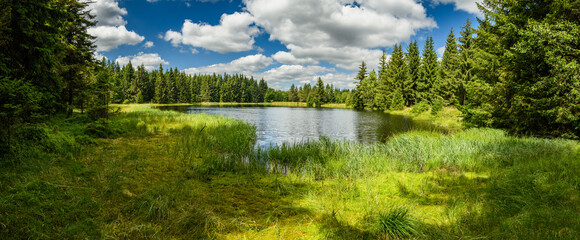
276	125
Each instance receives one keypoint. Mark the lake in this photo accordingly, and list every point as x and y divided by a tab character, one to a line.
276	125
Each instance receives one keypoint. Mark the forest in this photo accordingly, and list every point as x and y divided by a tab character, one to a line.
83	155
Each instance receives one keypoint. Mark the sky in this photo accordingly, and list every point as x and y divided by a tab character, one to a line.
282	41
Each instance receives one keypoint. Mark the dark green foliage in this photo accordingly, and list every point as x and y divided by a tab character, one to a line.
382	84
398	101
102	128
466	62
293	94
45	57
413	61
527	54
396	77
320	95
429	73
358	96
449	71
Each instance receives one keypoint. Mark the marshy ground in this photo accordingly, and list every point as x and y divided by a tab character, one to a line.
148	174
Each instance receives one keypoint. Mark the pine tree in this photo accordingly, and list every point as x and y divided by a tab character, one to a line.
396	75
428	72
293	94
465	61
160	86
382	90
368	89
527	68
449	71
126	81
413	61
358	102
319	93
139	84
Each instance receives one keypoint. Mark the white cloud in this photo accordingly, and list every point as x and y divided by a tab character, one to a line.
110	37
306	23
285	75
99	56
246	65
440	51
151	61
108	13
288	58
110	31
235	33
336	31
469	6
148	44
345	57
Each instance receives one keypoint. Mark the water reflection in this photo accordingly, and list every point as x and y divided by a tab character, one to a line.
276	125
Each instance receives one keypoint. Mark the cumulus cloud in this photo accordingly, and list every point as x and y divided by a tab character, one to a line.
148	44
246	65
338	31
110	37
235	33
344	57
469	6
331	23
288	58
151	61
282	77
108	13
110	31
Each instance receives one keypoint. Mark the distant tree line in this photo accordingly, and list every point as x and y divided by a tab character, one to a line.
130	85
315	96
137	85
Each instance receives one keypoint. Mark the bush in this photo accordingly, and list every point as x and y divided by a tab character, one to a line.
420	107
437	106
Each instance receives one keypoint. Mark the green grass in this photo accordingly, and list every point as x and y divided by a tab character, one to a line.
167	175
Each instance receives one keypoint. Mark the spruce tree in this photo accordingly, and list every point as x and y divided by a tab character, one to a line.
413	61
369	88
319	95
449	71
429	75
160	86
396	77
358	102
382	84
465	61
527	54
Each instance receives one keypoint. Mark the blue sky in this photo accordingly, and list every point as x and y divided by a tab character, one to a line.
283	41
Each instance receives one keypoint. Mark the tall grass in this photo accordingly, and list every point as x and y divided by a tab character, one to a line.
470	150
169	175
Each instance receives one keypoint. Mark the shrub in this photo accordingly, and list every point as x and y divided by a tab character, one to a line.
420	107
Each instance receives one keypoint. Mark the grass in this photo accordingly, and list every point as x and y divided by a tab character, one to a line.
448	117
165	175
